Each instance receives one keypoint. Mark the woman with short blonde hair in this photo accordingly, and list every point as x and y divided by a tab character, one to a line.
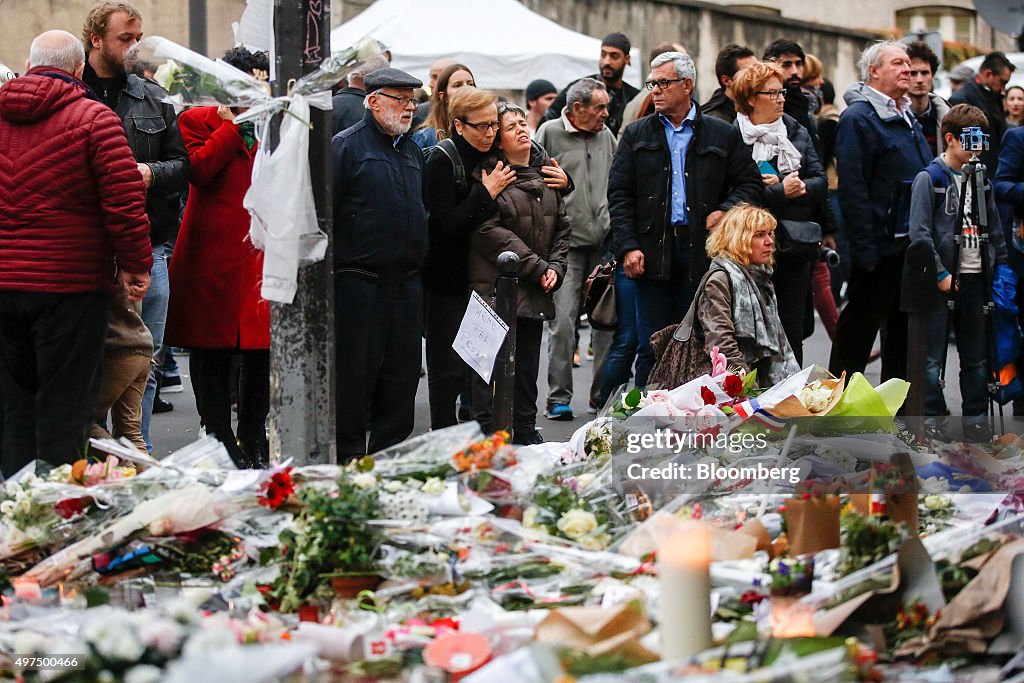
748	83
735	308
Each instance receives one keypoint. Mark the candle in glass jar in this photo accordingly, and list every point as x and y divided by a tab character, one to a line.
684	558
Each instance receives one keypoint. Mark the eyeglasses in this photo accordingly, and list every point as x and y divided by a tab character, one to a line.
483	127
402	101
773	95
663	83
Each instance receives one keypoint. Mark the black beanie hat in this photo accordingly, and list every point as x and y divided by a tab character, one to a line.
617	40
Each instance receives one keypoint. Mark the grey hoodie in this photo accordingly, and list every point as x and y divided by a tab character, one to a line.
933	217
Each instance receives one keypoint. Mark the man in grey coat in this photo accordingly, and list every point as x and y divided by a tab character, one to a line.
584	147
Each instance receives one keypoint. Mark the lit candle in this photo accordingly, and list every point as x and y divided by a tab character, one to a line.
684	557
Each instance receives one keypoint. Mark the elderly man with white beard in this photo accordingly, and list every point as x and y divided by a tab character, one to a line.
380	238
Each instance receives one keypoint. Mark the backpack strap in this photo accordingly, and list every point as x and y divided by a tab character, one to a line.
452	152
940	183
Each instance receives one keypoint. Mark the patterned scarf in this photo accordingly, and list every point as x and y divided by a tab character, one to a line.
248	132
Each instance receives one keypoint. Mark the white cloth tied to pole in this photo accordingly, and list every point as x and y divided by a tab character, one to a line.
280	199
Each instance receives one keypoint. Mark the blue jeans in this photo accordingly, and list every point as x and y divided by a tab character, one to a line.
969	324
660	303
154	314
618	364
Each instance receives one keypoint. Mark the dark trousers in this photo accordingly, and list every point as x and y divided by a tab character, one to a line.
873	299
969	323
379	328
661	303
447	373
212	380
618	364
792	281
524	411
51	350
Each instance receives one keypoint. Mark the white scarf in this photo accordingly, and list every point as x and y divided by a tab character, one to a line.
770	140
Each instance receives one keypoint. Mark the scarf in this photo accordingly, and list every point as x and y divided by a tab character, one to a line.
248	132
755	315
769	140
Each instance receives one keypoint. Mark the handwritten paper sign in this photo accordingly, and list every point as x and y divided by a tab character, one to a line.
480	337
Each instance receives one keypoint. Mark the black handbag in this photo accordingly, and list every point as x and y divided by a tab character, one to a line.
798	240
599	298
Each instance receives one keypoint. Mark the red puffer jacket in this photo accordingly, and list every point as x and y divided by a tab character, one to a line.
72	198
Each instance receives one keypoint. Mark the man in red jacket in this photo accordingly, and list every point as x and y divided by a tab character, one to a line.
72	226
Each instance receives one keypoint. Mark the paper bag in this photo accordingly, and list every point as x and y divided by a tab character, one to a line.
791	406
900	501
812	524
596	631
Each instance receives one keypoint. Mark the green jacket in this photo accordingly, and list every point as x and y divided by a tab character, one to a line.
587	158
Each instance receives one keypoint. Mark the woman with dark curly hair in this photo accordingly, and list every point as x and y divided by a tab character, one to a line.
215	307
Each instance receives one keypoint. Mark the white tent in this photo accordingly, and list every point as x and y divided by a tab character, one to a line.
504	43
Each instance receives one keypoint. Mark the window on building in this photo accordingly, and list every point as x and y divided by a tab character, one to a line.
955	23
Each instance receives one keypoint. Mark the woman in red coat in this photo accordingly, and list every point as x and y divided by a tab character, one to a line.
215	308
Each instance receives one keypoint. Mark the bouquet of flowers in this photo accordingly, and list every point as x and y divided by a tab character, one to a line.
558	510
194	80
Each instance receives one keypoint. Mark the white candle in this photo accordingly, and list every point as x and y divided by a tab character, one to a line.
684	557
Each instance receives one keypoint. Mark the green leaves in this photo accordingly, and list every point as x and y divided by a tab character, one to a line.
632	399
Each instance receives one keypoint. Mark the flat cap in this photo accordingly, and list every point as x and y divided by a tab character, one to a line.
961	73
389	78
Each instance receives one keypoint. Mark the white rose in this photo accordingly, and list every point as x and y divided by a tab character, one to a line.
596	543
530	518
13	489
209	640
143	673
433	486
393	486
24	506
29	643
364	480
7	508
161	635
585	480
576	524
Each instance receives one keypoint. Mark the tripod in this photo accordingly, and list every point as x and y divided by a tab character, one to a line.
972	212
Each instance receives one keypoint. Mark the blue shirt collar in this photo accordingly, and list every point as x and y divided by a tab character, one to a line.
690	118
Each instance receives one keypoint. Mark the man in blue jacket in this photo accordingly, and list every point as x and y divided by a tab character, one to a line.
880	148
380	238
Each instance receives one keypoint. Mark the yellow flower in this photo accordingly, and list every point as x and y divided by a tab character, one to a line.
598	542
576	524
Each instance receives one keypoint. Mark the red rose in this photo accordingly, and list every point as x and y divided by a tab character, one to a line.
70	507
733	385
708	396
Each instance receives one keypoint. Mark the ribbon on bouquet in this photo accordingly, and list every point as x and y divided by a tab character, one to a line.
280	199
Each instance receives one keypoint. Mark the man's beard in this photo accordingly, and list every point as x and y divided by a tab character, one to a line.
392	122
114	62
616	75
793	83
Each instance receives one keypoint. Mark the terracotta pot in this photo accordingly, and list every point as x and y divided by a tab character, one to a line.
352	586
309	613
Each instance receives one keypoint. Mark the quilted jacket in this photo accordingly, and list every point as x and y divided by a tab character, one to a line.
72	201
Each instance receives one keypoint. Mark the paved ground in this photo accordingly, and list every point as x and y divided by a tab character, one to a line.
173	430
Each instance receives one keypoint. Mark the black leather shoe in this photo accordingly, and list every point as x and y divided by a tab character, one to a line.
162	406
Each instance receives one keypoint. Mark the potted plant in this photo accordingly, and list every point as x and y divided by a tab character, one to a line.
330	539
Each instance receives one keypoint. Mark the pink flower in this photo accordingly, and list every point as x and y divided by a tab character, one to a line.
718	362
658	396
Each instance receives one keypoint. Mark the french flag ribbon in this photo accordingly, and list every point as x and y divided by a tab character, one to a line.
776	424
747	408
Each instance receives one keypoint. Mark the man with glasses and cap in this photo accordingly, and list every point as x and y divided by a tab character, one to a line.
673	176
380	238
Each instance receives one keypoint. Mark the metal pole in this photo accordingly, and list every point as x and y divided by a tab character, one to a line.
503	379
302	398
918	299
197	41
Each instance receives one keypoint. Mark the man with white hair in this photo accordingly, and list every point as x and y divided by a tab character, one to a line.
880	148
380	240
675	173
72	224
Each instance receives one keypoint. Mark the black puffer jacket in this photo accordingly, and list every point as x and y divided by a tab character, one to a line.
719	175
532	222
151	126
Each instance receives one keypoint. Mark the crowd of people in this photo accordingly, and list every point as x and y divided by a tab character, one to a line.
123	233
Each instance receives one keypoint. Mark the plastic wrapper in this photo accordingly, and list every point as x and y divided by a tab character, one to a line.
192	79
428	454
